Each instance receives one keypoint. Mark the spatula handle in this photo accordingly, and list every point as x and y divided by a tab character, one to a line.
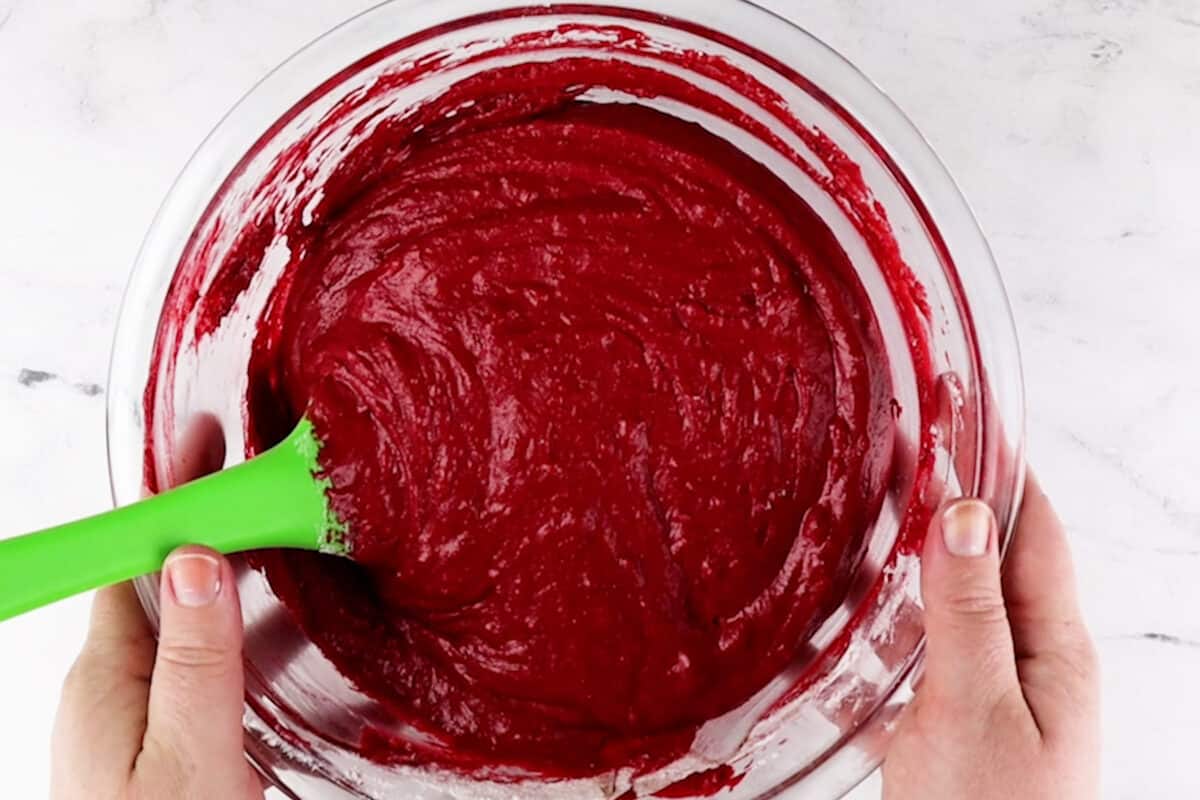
273	500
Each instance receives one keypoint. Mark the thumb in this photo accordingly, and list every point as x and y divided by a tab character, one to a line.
970	664
195	711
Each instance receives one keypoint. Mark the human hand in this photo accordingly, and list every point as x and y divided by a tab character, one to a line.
1009	703
141	720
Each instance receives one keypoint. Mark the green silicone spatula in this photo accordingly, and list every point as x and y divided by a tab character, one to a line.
273	500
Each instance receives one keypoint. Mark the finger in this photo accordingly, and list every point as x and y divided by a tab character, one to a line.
102	714
1039	580
195	714
201	449
970	667
1057	662
120	632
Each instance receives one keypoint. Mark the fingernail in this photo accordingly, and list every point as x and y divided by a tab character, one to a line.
967	528
195	578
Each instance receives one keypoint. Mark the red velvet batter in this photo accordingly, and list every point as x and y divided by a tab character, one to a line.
606	410
607	415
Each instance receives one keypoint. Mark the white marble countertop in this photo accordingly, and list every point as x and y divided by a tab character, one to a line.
1071	125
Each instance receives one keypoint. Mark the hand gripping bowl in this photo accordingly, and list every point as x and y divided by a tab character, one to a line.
799	109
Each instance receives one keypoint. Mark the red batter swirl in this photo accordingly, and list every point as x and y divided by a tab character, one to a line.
606	408
606	412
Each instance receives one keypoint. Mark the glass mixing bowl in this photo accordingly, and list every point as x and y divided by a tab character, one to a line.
823	725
